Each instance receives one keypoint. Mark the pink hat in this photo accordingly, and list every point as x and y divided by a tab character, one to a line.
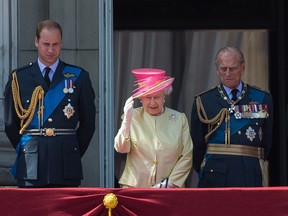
150	80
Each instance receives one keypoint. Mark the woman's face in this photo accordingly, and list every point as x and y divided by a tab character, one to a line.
154	103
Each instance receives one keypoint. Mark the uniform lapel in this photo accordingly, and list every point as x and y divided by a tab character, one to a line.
221	100
38	77
247	97
58	76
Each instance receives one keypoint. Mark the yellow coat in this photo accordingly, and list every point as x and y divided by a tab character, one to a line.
159	147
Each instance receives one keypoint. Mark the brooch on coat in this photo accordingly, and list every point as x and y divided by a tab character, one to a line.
172	117
68	111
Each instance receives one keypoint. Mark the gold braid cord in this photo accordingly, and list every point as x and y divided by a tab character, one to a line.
26	116
215	122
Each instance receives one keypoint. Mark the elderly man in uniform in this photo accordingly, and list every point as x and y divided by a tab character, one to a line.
49	115
231	128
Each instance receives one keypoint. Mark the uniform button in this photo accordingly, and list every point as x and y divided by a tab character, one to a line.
24	150
155	161
256	123
50	119
239	132
211	170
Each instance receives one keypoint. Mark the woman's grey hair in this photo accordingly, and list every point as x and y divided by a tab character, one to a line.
168	90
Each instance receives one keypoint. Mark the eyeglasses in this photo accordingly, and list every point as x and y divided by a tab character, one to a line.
225	69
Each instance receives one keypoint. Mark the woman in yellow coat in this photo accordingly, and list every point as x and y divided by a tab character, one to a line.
156	138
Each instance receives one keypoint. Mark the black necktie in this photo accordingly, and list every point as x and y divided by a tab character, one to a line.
46	76
234	94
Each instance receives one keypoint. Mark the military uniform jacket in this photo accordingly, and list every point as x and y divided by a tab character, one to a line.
227	170
159	147
52	159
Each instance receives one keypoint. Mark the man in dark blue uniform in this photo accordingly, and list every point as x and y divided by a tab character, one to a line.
49	115
231	128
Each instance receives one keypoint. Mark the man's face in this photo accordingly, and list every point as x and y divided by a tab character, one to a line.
49	46
230	70
154	103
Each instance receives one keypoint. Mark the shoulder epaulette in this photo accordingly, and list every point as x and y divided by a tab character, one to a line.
23	67
258	88
206	91
71	65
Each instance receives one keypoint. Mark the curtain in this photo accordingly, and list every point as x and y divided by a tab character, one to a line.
187	55
133	202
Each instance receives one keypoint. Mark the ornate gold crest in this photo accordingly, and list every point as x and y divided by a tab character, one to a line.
110	201
68	110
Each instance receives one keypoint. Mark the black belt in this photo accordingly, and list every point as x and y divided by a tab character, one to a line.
49	132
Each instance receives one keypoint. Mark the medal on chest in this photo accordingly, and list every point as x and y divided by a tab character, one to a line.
69	83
